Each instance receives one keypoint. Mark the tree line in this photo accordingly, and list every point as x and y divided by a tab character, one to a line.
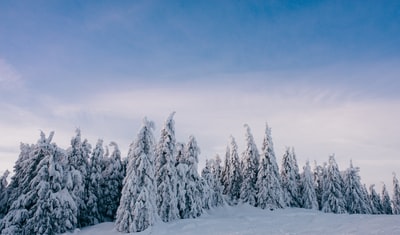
55	191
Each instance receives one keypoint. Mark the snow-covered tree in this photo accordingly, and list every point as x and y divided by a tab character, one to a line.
225	177
250	163
94	185
77	175
3	193
166	177
332	196
235	176
353	192
216	170
396	195
290	177
137	210
319	178
386	204
270	193
189	192
308	196
375	201
113	173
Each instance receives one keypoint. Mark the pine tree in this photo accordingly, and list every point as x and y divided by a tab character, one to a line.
270	194
386	205
94	184
375	201
77	175
319	178
225	177
353	192
137	210
113	173
396	195
217	188
250	162
3	193
166	173
308	195
332	196
190	187
235	176
290	179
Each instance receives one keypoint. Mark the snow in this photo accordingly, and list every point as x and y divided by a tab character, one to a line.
245	219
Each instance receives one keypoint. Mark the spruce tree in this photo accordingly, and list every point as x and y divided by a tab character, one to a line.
290	177
386	205
225	175
3	193
217	188
270	193
166	172
94	185
137	210
396	195
319	178
332	196
375	201
235	176
353	192
250	162
77	175
113	173
308	195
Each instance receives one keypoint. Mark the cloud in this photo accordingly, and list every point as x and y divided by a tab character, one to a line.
9	76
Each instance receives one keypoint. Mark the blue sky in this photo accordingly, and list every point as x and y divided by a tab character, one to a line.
324	74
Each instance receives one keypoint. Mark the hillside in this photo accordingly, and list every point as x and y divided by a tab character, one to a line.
247	220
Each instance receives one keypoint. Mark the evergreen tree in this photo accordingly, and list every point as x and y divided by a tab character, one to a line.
270	194
386	205
94	184
189	195
353	192
137	210
235	176
290	177
332	196
77	175
319	178
113	173
308	195
166	177
396	195
217	188
225	177
250	162
3	193
375	201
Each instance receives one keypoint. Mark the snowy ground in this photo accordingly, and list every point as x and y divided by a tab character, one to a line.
243	220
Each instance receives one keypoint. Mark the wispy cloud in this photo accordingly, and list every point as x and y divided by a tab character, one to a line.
9	76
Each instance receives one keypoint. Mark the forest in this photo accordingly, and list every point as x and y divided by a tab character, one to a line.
54	190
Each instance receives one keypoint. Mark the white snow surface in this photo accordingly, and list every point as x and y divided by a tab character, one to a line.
248	220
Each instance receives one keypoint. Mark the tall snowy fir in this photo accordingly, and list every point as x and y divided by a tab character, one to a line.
396	195
375	201
3	193
308	195
77	175
113	173
386	203
225	175
137	210
270	193
290	177
95	179
353	192
250	163
319	179
217	188
332	196
235	177
190	189
166	178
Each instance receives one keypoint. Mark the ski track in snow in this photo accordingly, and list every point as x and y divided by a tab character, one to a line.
247	220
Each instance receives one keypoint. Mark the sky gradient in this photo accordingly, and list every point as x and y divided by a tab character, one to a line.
324	74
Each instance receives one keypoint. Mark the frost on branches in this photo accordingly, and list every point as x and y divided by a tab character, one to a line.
137	210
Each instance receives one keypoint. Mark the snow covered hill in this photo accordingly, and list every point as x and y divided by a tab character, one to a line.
244	219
